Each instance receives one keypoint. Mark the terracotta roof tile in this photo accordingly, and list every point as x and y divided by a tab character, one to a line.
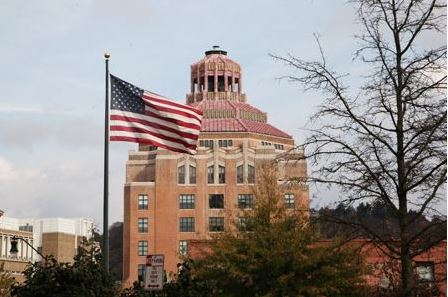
264	128
236	124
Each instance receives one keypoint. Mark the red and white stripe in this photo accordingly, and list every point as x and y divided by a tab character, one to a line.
166	124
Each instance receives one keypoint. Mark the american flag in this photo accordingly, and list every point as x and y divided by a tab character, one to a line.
140	116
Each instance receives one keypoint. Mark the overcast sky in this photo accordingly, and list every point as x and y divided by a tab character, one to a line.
52	82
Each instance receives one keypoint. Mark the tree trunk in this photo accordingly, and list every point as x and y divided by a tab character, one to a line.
407	275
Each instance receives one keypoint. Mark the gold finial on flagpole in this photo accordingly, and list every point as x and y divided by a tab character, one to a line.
107	55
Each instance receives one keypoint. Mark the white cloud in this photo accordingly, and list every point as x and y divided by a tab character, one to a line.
12	174
7	171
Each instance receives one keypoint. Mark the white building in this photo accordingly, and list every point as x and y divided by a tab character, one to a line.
59	237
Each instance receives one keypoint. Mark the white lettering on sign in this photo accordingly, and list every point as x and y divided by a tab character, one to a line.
154	272
154	278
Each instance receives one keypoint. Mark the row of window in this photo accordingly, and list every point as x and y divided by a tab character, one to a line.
187	201
211	174
216	201
276	145
181	174
186	224
245	201
250	174
142	247
221	143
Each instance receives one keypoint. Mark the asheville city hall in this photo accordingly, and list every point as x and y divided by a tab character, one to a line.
173	198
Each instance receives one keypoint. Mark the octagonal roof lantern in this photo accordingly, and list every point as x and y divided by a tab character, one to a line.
216	50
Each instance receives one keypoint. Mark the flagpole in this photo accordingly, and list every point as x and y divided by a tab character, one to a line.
106	171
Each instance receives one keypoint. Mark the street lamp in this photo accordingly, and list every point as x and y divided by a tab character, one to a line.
14	250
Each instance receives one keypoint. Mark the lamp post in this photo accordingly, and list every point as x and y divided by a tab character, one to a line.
14	250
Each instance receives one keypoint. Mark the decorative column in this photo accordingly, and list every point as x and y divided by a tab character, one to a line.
225	81
205	82
192	90
198	77
240	89
215	73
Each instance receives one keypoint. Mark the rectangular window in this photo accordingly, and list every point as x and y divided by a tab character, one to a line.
192	175
141	271
216	201
142	247
216	224
206	143
220	83
142	225
425	271
290	200
240	174
225	142
201	84
186	201
222	174
186	224
142	201
211	83
183	247
243	224
26	228
181	174
245	200
250	174
211	174
278	146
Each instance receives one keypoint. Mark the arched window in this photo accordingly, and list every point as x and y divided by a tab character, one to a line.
222	175
181	174
250	174
211	174
192	179
240	174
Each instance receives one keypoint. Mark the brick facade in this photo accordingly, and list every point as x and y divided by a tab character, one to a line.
383	271
226	164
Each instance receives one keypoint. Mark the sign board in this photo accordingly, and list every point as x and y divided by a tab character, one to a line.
154	272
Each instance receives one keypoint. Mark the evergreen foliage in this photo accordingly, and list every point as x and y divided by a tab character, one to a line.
278	254
86	277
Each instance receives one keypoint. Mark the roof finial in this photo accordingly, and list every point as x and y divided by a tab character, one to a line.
216	50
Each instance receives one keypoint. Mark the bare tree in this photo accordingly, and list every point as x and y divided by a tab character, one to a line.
387	143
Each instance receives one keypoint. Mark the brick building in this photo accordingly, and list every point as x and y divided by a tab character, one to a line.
59	237
172	198
384	272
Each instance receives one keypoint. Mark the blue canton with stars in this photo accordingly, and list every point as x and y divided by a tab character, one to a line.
126	97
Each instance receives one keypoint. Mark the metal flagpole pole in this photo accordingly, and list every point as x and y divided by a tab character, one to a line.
106	171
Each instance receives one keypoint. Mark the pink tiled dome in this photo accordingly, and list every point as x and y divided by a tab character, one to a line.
216	89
